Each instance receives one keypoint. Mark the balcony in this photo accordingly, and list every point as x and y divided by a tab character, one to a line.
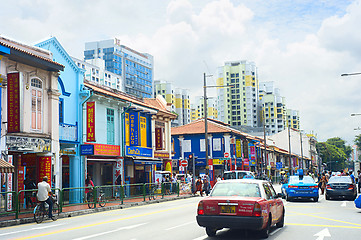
68	132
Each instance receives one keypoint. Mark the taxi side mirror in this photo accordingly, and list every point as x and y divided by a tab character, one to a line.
281	195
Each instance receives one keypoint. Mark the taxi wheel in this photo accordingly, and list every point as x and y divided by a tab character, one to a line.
265	232
211	232
288	199
315	199
327	197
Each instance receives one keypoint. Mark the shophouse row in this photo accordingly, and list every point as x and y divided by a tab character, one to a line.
56	124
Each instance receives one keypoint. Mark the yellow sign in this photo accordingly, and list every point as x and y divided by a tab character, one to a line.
218	162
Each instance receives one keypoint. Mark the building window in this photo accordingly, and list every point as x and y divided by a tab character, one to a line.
110	126
36	104
61	110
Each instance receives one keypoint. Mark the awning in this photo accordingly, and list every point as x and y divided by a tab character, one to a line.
6	167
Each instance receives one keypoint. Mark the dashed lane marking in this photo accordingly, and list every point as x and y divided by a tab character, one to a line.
321	225
329	219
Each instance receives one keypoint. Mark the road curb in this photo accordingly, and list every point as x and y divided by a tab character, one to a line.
13	222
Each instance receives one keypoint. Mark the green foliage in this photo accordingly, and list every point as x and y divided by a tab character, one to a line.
334	152
357	141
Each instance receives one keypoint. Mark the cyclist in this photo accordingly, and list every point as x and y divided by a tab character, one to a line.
44	191
89	186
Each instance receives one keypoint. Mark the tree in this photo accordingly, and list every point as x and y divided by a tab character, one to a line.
334	153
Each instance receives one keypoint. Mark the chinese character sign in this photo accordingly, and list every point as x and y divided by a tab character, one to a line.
13	102
45	168
158	139
238	148
9	186
90	121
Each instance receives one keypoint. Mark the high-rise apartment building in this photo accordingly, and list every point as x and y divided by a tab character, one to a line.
238	106
95	72
178	98
197	109
293	119
135	68
273	108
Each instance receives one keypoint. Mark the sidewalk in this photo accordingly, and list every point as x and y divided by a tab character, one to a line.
70	211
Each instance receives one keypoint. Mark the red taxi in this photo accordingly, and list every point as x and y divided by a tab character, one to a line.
241	204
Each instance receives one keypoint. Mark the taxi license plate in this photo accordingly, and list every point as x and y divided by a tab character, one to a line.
228	209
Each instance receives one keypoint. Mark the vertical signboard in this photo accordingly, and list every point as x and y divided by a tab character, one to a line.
90	121
21	174
118	172
9	187
143	131
134	128
238	148
45	168
127	127
158	139
13	93
252	155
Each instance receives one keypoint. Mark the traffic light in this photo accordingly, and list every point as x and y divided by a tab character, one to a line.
190	157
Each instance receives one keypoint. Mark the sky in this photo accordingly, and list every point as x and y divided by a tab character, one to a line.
303	46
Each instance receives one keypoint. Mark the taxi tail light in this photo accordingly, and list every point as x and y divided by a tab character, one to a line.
328	186
257	210
200	208
351	187
292	186
314	186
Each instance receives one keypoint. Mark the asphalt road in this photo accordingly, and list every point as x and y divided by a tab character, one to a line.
336	219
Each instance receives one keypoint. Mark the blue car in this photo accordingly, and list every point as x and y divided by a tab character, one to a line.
300	186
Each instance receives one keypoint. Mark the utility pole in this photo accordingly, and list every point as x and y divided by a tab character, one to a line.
265	144
205	115
301	148
289	149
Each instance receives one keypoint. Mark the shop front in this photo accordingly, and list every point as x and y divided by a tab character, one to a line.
103	163
140	167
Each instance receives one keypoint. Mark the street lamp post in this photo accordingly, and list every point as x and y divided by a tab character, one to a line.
289	150
349	74
301	148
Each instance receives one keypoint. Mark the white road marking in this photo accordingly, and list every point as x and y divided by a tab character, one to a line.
322	234
35	228
181	225
115	230
275	231
343	204
201	238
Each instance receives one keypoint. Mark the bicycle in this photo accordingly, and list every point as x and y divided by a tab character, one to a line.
40	210
100	200
152	192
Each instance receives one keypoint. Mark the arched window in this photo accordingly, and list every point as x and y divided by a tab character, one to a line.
36	104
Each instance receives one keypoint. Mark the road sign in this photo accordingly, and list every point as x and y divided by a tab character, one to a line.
183	163
226	155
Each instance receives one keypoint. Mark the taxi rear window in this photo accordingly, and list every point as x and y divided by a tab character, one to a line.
236	189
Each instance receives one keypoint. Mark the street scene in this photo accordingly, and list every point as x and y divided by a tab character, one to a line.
214	119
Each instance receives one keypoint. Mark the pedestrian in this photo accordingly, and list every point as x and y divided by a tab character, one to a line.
199	186
323	183
89	185
29	184
44	191
118	181
219	178
206	186
352	176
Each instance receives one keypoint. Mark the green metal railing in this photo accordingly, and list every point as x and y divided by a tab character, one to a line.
77	196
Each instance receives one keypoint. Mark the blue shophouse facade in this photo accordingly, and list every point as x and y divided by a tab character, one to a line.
229	149
72	94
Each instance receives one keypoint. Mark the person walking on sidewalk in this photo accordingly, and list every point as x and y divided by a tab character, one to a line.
323	183
44	191
29	184
199	186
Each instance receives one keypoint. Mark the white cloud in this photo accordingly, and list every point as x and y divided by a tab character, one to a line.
303	46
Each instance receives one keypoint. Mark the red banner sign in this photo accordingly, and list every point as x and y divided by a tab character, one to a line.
21	174
90	121
161	155
158	139
106	150
13	102
45	168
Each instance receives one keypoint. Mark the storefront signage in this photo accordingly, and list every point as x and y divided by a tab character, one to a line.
90	121
28	144
118	172
138	151
278	165
246	162
133	124
161	155
252	154
68	151
158	139
201	162
86	149
13	102
9	186
21	174
218	161
238	148
45	168
106	150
